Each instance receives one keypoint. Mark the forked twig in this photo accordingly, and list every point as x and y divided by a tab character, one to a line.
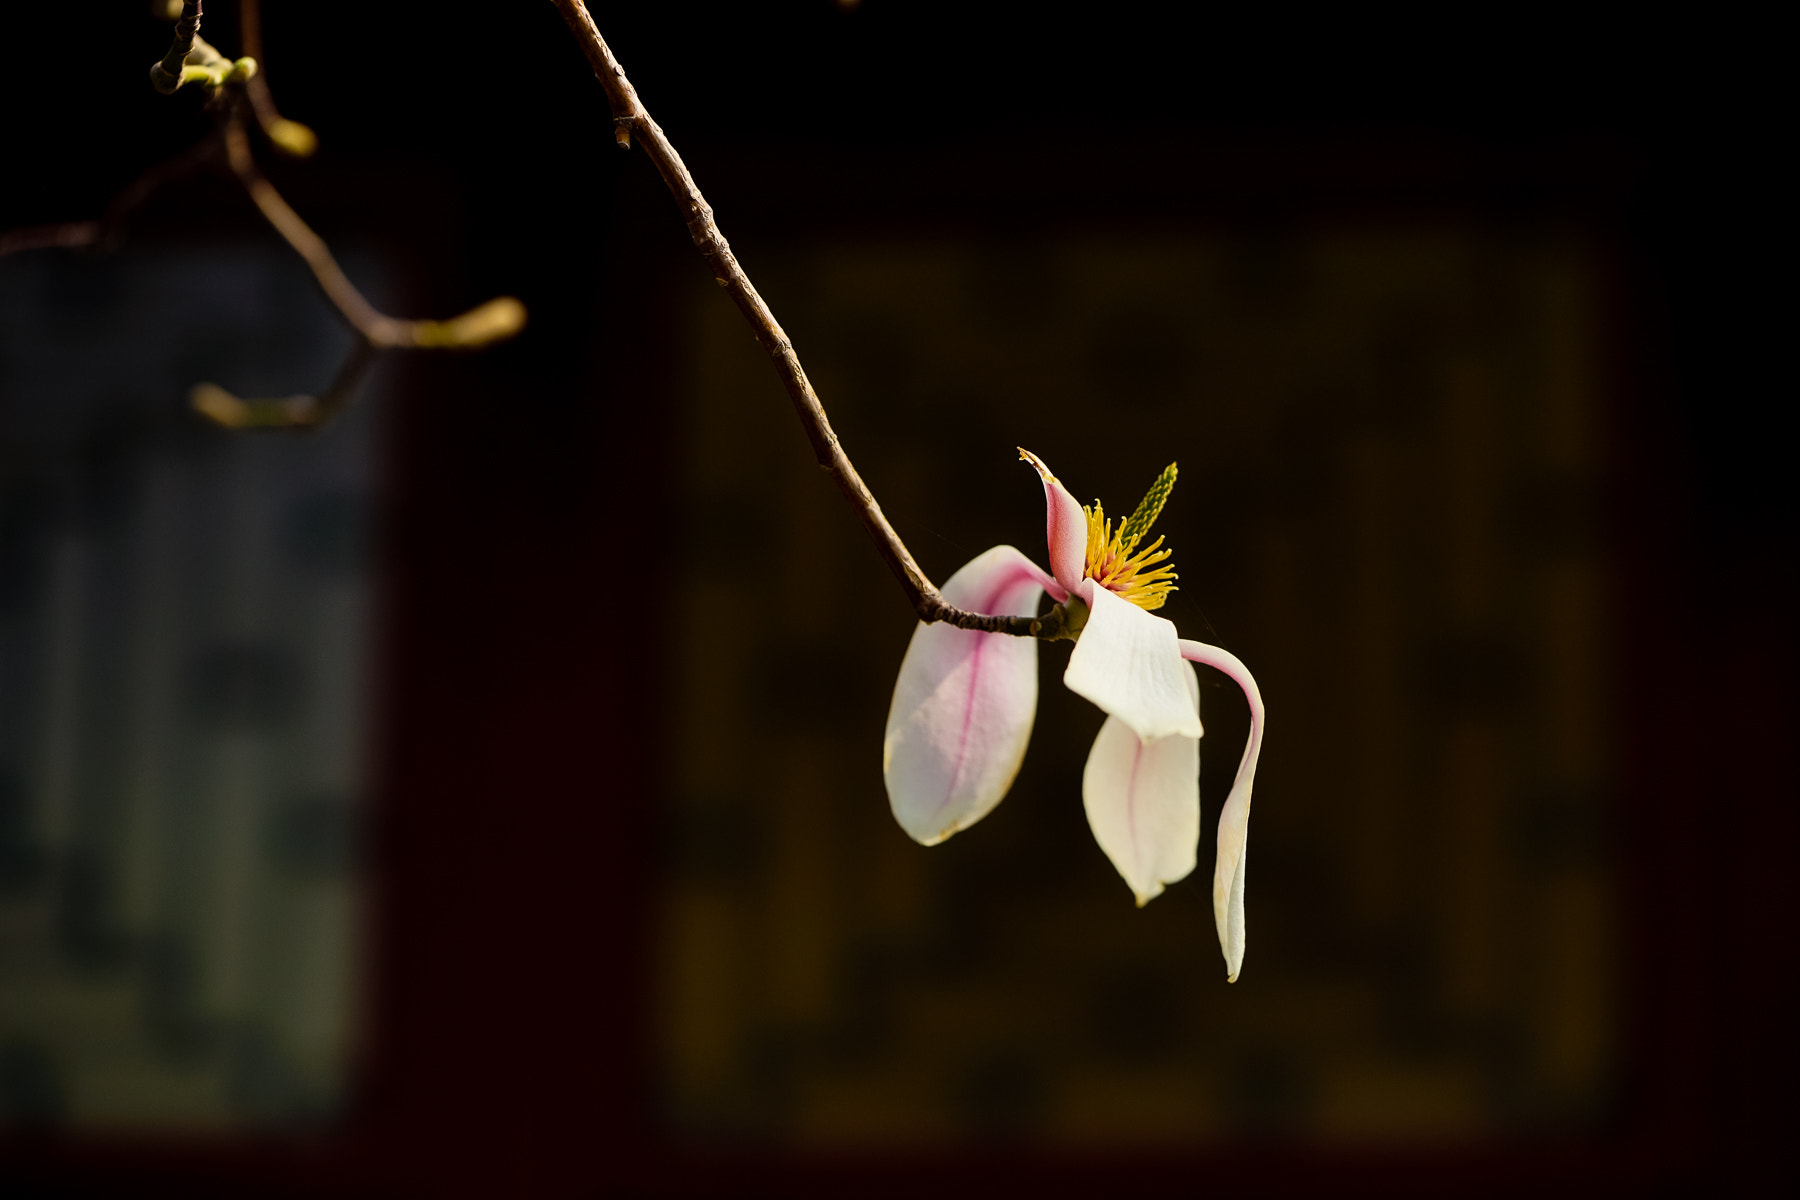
630	116
235	87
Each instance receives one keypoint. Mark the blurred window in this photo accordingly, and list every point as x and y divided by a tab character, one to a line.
185	623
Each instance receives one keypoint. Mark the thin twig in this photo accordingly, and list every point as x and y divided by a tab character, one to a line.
290	137
105	232
630	116
250	29
495	321
44	237
296	412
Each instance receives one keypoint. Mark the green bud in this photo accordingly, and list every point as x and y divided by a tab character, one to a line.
292	138
224	409
495	321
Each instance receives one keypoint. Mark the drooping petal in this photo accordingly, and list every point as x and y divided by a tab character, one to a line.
1234	818
1065	527
1128	662
1143	802
964	703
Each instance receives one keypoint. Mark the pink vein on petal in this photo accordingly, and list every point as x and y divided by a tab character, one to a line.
988	605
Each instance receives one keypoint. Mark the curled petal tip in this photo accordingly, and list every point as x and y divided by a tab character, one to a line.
1065	526
1234	817
1048	475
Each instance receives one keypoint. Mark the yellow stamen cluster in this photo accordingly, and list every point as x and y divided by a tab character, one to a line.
1114	560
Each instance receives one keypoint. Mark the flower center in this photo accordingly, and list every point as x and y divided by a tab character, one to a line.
1113	558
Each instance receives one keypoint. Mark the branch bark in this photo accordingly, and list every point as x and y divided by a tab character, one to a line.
629	117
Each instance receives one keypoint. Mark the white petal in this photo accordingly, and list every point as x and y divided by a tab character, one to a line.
964	703
1143	802
1128	662
1234	818
1065	527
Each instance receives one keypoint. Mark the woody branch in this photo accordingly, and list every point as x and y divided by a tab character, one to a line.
630	117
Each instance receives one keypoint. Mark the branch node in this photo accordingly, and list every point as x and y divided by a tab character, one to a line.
170	73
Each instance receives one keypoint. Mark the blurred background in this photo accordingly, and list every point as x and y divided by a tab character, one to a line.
483	795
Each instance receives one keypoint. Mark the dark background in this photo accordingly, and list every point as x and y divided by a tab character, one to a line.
472	144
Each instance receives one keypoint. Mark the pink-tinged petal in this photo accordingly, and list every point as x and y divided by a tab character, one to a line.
1128	662
1065	527
1234	819
1143	802
964	703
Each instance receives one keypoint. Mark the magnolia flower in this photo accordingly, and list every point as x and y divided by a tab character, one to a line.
965	701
